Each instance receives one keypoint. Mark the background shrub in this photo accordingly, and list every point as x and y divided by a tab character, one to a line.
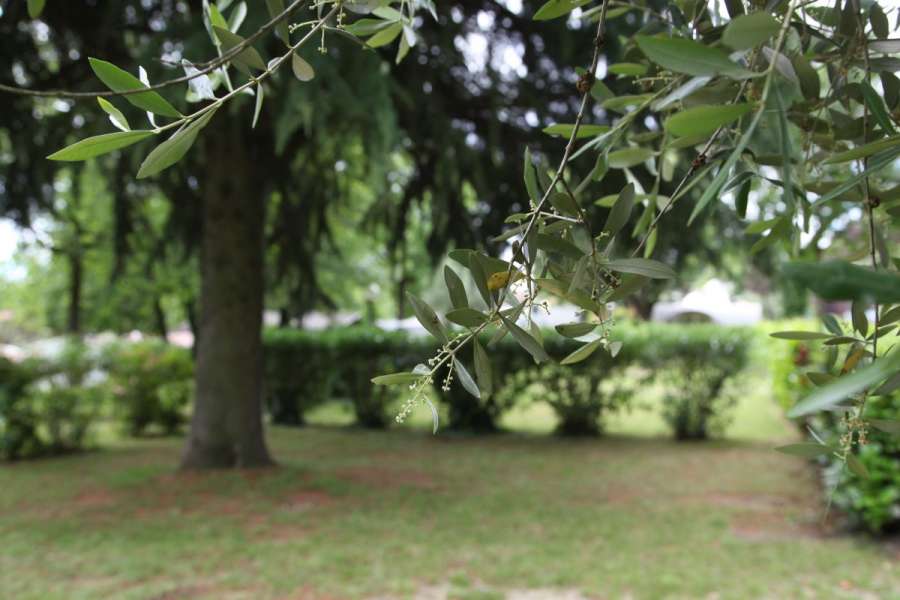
18	419
48	405
304	369
695	403
871	502
580	397
150	383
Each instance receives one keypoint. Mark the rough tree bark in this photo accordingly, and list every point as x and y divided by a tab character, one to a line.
226	427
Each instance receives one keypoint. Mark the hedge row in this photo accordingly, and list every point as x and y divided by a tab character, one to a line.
48	406
306	368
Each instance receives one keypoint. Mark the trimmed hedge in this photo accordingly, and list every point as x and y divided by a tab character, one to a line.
307	368
47	406
150	384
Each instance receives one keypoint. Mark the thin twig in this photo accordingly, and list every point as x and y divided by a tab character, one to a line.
211	66
701	158
570	146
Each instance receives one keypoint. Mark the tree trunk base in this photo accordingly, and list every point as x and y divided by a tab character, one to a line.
209	458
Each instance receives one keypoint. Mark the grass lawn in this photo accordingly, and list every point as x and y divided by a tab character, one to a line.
403	514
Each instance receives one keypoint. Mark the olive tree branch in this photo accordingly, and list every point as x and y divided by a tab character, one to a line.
701	158
254	81
209	68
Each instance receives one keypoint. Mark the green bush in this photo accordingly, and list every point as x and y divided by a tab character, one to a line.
150	383
304	369
871	502
695	401
580	397
19	422
47	406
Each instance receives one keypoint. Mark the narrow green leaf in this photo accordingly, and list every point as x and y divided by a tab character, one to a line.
466	379
847	385
574	330
427	317
858	317
820	378
713	189
396	378
100	144
302	69
620	211
627	69
582	353
455	288
238	14
876	106
681	92
703	120
480	276
122	81
889	387
831	324
531	178
687	56
365	27
748	31
260	96
173	149
875	164
856	466
584	131
276	7
554	9
385	36
35	8
565	204
886	425
805	449
467	317
642	266
628	157
248	58
799	335
839	280
864	150
555	244
115	115
531	345
483	371
879	21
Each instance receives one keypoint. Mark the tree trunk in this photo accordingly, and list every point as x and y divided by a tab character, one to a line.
159	316
76	275
226	427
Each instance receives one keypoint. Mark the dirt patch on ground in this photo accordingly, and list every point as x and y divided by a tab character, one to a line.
759	526
307	499
750	501
545	594
186	592
389	477
449	592
93	499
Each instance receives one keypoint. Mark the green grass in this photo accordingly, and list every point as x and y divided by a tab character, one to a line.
403	514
